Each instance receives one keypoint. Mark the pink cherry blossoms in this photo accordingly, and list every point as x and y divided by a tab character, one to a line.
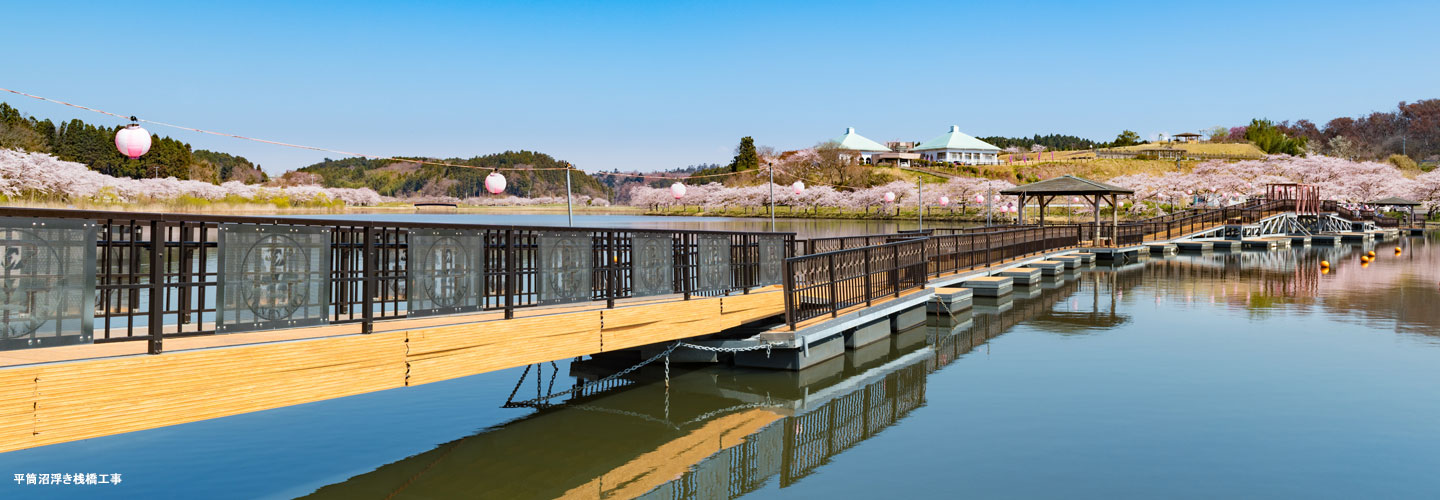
44	176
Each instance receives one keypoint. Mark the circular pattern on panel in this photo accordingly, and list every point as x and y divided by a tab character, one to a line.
714	264
567	260
28	295
276	273
652	258
447	266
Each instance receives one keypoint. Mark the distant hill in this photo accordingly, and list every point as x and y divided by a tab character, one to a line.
409	178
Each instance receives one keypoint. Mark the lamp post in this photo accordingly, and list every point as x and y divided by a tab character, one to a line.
569	209
771	165
989	204
920	187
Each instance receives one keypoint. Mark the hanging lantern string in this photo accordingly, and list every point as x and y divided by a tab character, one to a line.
350	153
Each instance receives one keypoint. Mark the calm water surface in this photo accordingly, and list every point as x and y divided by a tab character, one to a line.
1225	375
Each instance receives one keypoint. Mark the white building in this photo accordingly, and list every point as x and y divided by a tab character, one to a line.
856	144
957	147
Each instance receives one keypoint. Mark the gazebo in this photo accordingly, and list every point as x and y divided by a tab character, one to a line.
1068	185
1396	201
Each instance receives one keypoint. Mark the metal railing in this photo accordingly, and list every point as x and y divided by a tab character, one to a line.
833	243
824	283
828	282
158	275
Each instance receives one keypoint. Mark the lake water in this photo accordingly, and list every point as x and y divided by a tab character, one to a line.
1199	376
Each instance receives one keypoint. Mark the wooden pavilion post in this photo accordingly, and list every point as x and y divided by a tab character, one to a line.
1114	221
1043	203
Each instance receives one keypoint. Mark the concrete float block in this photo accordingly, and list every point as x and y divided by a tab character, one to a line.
1026	292
993	305
1049	267
1070	261
909	339
1195	246
1258	243
1326	239
867	356
1085	257
949	300
1226	245
1162	248
1022	275
949	320
1052	282
907	319
989	286
868	333
1300	241
797	358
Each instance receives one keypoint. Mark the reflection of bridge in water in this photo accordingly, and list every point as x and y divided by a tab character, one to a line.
714	431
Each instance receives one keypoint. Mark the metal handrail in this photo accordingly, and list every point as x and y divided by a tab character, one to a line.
157	275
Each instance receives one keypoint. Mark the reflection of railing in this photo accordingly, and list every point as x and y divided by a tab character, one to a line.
159	275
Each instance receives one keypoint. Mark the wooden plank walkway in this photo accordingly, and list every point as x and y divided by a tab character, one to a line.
57	396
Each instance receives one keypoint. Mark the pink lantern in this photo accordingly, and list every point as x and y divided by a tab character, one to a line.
495	183
798	187
889	197
677	190
979	198
944	200
133	140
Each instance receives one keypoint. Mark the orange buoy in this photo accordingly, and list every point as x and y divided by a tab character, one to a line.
1370	253
1324	263
1397	249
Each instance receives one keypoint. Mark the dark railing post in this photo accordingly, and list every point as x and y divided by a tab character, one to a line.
869	289
510	274
157	287
789	292
368	278
834	287
987	249
895	271
613	268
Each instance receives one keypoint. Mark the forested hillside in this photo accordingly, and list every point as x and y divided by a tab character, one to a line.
407	178
91	145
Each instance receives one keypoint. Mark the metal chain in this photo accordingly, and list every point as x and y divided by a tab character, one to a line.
767	346
621	373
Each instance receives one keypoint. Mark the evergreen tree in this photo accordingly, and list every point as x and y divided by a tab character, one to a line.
745	156
1270	139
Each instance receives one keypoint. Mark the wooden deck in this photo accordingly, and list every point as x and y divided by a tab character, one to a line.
62	394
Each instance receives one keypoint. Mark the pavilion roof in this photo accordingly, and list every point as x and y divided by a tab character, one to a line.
955	139
1395	201
1066	185
856	142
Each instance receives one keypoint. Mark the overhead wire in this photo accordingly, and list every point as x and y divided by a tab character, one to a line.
351	153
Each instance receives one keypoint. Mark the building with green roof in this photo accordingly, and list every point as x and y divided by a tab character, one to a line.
860	145
958	147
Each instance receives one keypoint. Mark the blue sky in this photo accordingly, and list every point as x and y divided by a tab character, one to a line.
665	84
